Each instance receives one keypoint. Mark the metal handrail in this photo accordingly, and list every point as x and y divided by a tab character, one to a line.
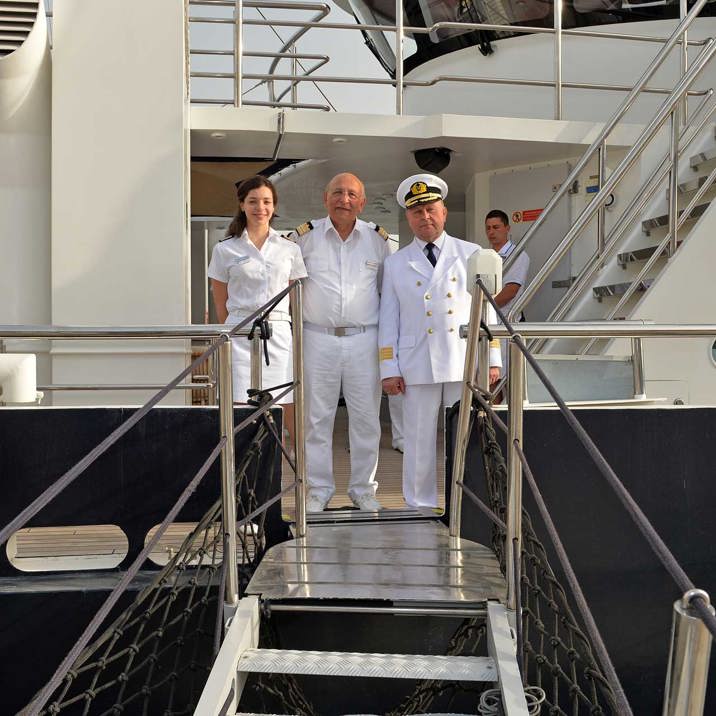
608	187
596	146
635	206
679	222
400	30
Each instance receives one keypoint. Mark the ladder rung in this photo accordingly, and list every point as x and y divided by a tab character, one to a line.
382	666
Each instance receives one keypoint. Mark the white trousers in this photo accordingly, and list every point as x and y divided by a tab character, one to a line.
421	408
395	406
329	363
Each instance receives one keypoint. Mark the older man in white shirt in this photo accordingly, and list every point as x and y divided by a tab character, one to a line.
424	301
344	259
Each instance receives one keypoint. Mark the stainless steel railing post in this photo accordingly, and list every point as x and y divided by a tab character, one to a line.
298	407
228	487
673	180
294	71
399	57
256	361
601	214
687	673
558	59
483	352
238	50
684	61
463	419
516	392
637	362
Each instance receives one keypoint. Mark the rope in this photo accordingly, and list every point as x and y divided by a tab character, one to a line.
540	589
594	635
645	527
64	667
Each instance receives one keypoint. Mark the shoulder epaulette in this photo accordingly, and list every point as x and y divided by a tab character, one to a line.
303	228
381	232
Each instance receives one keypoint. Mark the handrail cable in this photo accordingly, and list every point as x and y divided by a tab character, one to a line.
642	522
607	129
584	610
34	707
78	468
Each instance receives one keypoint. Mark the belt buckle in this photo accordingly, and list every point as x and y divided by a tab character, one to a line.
340	331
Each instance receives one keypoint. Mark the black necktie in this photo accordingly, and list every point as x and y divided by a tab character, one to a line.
430	253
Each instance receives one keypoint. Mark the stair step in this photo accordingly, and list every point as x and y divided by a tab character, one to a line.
654	223
18	37
350	515
9	46
27	18
619	289
380	666
19	5
690	186
702	157
644	254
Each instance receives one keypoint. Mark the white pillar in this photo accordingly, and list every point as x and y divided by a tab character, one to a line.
25	77
120	215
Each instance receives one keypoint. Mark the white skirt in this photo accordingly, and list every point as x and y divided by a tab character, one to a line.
279	370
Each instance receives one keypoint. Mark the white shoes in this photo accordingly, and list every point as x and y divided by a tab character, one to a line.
316	503
398	445
367	503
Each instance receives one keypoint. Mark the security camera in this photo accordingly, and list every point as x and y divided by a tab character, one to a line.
433	159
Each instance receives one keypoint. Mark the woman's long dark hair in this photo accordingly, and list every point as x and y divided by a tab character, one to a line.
238	223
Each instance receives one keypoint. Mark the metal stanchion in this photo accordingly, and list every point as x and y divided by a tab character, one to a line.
514	470
298	404
673	183
228	488
601	214
463	420
483	352
688	669
637	364
256	361
399	57
238	50
558	59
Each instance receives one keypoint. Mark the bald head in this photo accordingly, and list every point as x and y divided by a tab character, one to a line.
345	199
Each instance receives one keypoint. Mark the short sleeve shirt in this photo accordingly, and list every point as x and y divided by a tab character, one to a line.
517	273
344	277
254	277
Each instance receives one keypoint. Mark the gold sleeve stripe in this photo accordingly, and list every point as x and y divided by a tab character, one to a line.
386	353
495	343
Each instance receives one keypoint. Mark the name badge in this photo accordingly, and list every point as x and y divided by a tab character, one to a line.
372	265
241	260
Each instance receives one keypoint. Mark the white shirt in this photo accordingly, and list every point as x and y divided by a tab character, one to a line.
344	277
437	244
254	277
517	273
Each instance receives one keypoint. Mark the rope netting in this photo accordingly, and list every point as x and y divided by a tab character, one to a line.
556	654
154	656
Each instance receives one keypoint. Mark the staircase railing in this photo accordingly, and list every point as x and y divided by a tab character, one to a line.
671	107
694	620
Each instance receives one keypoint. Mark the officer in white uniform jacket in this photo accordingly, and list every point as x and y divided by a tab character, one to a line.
424	301
344	259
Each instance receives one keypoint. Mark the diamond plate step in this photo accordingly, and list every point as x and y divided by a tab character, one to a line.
649	224
379	666
619	289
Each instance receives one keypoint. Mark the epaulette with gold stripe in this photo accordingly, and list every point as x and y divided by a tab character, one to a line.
382	232
303	228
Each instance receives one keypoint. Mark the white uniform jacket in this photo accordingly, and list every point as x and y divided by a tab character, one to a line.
421	311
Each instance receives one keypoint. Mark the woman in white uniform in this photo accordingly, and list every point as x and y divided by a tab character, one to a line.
247	269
